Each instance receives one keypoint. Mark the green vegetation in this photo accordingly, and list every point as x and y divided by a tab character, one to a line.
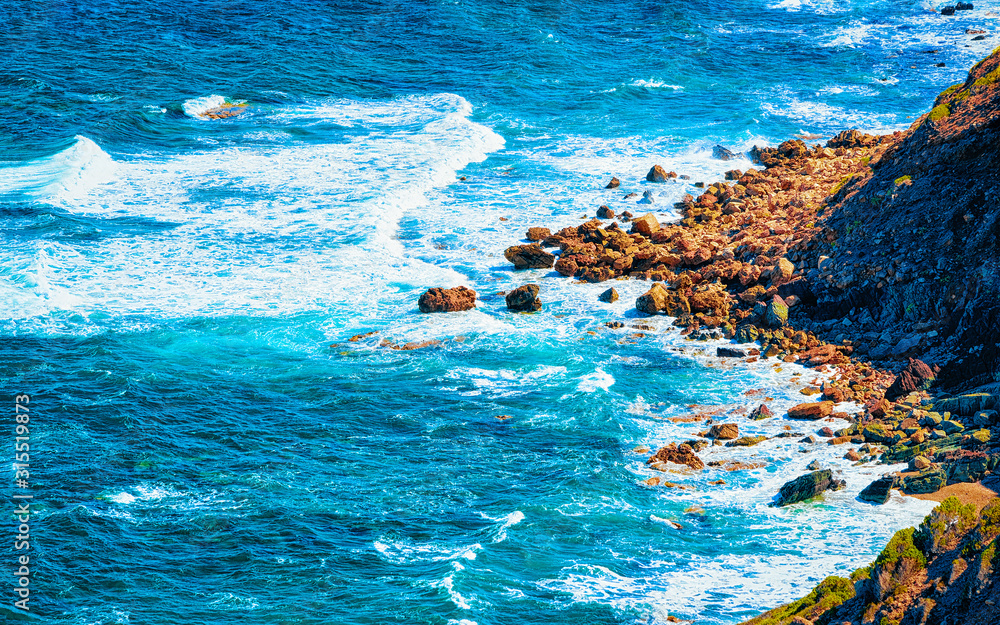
865	161
844	182
864	572
989	525
947	92
939	112
831	592
988	79
944	525
901	547
902	180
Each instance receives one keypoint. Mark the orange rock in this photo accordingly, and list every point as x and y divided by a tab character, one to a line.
814	410
645	225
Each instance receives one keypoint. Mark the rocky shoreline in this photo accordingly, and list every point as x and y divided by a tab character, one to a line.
871	256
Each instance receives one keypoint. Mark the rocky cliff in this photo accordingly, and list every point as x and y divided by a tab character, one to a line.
944	572
912	253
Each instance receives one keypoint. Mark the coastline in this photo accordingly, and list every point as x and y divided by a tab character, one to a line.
795	261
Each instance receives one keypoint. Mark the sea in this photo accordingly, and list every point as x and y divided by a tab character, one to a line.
202	319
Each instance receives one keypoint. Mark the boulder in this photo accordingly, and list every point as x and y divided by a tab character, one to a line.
658	174
984	418
682	454
948	10
951	427
747	441
807	486
529	257
968	468
610	296
645	225
605	212
730	352
538	234
782	273
761	412
814	411
647	197
722	153
878	491
658	299
916	376
614	184
928	481
851	139
724	431
447	300
776	313
524	298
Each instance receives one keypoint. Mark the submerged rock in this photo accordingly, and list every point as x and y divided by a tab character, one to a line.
447	300
524	298
807	486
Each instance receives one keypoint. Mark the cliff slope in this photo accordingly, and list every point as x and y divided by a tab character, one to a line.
945	572
912	245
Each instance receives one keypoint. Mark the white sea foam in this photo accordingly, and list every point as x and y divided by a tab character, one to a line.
405	552
64	176
652	83
327	215
448	583
591	382
232	603
197	107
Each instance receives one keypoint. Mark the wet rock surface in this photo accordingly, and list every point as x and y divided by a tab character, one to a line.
447	300
524	298
806	487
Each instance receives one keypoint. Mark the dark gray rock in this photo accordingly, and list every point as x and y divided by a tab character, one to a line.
807	486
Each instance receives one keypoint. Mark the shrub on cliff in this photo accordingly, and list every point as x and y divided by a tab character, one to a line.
898	561
945	526
831	592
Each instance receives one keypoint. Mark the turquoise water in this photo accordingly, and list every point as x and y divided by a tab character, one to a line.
207	444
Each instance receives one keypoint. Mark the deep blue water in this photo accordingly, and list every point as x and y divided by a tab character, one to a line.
207	444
